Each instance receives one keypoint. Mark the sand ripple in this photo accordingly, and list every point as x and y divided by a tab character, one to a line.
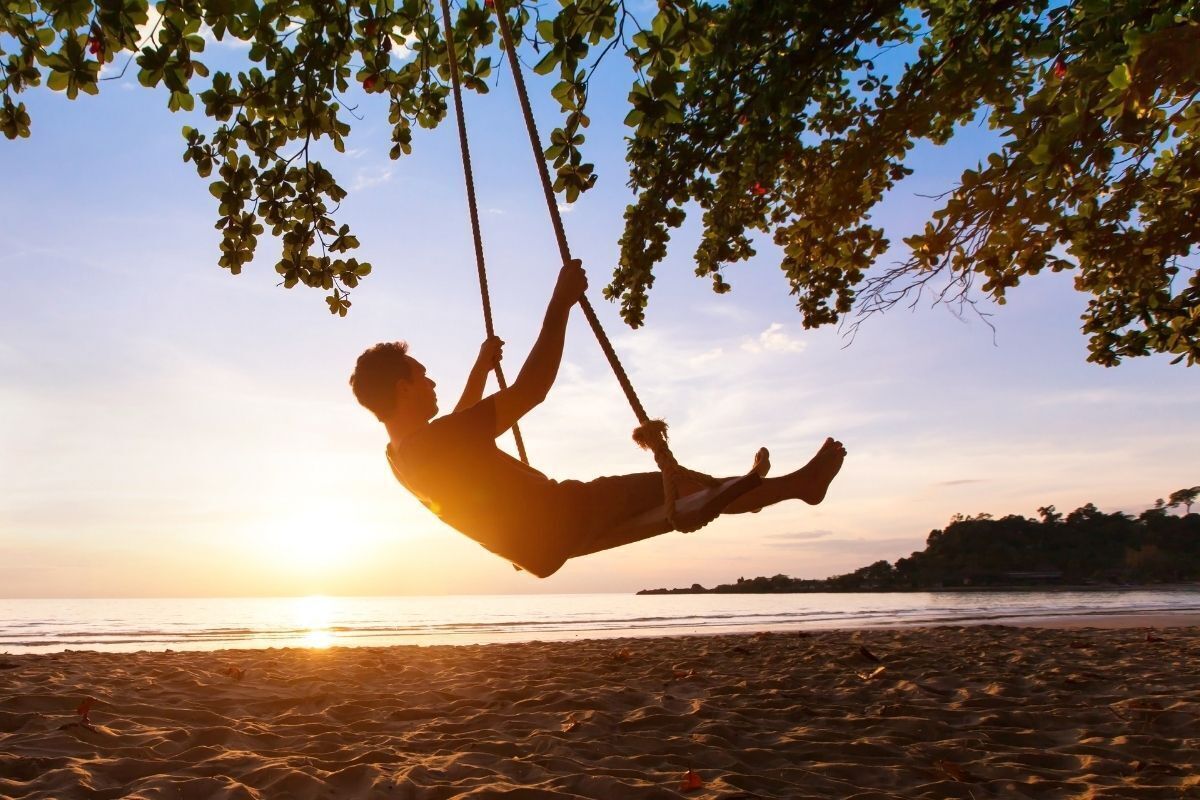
972	713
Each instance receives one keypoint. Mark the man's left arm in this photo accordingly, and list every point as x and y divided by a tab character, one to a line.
490	353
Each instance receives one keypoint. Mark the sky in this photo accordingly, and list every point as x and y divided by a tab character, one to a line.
169	429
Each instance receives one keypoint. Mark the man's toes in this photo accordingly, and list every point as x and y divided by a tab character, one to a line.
831	445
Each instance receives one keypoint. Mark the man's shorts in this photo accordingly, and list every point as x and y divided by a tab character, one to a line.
584	510
608	502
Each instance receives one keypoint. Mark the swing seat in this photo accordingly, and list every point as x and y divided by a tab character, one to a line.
691	511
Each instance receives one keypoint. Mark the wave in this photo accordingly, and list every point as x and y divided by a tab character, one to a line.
40	626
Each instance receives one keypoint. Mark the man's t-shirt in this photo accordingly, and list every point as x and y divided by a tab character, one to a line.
454	467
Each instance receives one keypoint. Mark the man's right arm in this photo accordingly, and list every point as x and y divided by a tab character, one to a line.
541	367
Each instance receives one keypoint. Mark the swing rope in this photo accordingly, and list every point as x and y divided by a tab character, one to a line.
469	176
650	434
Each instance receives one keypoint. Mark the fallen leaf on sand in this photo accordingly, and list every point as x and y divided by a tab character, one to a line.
624	654
953	771
84	708
1150	637
691	782
1079	644
873	674
237	673
868	655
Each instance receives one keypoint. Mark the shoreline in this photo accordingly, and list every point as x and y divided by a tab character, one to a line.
322	640
1036	712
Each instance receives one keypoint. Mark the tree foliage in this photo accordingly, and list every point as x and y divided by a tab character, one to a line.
798	122
788	119
1184	497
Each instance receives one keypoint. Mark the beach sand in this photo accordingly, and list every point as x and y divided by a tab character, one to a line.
977	712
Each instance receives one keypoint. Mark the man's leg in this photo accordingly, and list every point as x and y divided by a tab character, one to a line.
809	483
614	500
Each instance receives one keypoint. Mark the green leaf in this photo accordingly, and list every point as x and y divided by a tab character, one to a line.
547	64
1120	78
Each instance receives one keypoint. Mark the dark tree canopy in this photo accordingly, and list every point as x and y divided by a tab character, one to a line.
791	119
1085	546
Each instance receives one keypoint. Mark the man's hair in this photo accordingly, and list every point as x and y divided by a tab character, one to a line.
375	376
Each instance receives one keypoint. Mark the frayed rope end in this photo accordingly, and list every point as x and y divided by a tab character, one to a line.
651	434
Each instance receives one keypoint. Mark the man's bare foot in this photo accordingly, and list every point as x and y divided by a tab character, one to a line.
762	462
810	482
762	465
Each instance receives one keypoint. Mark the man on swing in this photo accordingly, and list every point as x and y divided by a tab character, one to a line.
453	466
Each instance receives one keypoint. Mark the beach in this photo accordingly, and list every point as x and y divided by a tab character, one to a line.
920	712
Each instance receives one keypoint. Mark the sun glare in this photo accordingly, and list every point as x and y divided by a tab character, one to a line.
314	540
314	616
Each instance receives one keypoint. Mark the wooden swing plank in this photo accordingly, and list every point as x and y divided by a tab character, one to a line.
698	508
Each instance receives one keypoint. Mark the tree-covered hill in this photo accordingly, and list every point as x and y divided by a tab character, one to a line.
1086	546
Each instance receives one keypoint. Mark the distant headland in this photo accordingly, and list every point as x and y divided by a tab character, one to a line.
1086	547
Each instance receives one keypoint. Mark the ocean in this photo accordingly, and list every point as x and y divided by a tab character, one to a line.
44	625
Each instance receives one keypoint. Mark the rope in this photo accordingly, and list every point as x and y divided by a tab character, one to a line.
650	434
469	177
556	219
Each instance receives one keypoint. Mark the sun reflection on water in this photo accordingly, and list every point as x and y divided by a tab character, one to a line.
314	616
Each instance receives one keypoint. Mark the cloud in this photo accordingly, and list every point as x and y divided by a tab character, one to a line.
707	357
402	52
774	340
566	208
784	539
366	178
724	309
960	482
720	399
148	30
1105	397
232	42
111	69
865	550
